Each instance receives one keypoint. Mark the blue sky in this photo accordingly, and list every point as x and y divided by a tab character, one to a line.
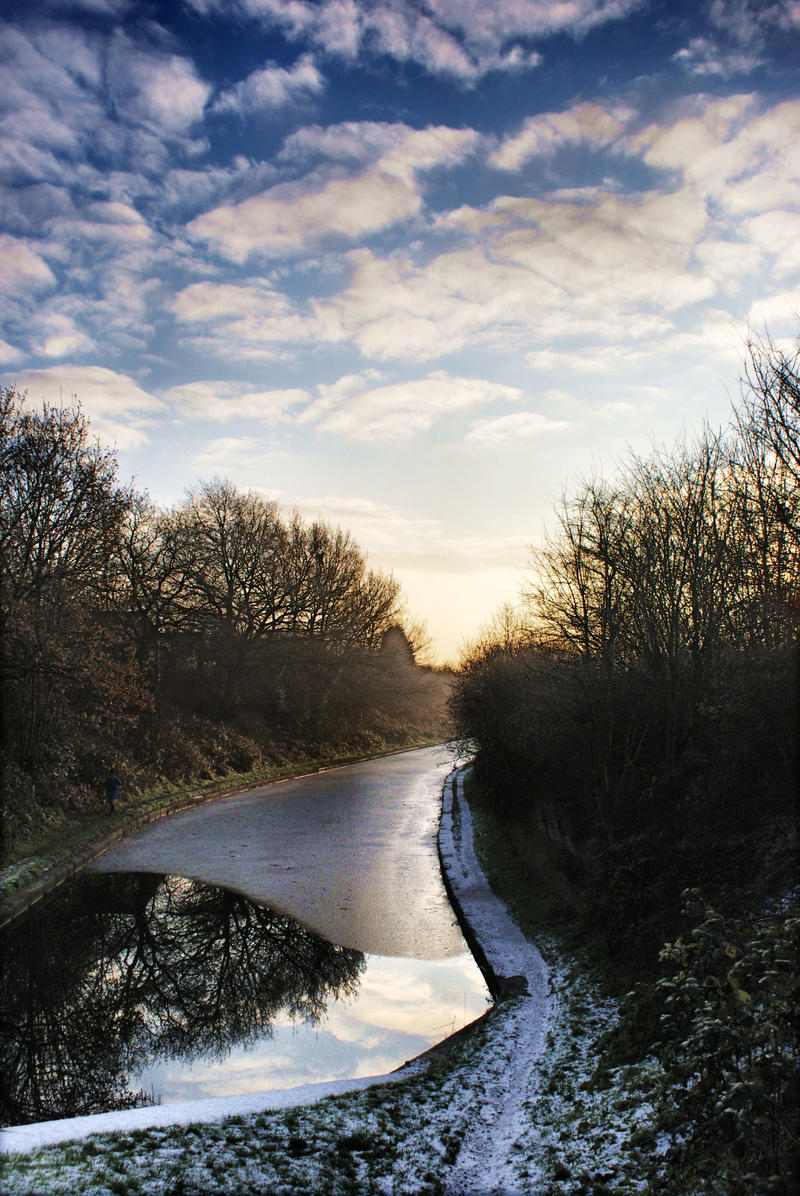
411	265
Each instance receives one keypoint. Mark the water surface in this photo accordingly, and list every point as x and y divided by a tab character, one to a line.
350	852
132	988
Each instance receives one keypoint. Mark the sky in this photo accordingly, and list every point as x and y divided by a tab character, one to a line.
411	266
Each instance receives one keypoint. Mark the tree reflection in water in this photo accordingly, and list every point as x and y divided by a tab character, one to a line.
125	969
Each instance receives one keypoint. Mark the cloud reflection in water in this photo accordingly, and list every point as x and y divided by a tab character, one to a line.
136	987
401	1008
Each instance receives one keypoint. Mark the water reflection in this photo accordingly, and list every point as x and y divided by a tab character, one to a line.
402	1007
125	970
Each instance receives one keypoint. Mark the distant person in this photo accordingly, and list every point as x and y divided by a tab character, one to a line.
113	786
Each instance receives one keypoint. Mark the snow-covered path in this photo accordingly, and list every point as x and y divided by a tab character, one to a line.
485	1160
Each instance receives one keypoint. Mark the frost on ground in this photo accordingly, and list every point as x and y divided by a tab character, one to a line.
16	874
507	1107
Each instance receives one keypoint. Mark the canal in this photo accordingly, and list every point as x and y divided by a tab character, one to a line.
296	933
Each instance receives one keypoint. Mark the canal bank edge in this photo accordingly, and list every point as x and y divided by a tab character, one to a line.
16	904
449	842
452	861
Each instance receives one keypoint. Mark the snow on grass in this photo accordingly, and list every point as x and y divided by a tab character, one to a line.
16	874
508	1106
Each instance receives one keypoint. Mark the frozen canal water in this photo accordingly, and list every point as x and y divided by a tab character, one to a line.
293	934
349	853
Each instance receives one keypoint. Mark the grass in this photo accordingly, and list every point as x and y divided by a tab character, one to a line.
357	1143
25	858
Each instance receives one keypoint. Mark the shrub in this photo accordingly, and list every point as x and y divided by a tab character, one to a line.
726	1024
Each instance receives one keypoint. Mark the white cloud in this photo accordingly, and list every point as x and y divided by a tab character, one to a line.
393	309
594	262
779	313
556	269
731	263
743	159
353	142
50	102
242	321
74	97
585	262
160	90
462	39
777	234
587	123
102	226
9	353
746	20
223	401
61	337
292	216
118	409
403	410
620	250
226	452
724	150
739	40
273	87
714	337
510	429
615	410
616	357
20	266
286	220
397	538
493	24
99	390
705	56
331	395
379	526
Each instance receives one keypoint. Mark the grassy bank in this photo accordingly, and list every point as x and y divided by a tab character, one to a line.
704	1045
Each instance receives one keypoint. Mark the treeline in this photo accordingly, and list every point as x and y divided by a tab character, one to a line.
636	727
181	643
641	703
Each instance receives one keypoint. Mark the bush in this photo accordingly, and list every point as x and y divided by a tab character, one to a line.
724	1020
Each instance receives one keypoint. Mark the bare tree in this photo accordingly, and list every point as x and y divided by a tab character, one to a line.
682	555
767	468
771	402
61	506
580	591
226	544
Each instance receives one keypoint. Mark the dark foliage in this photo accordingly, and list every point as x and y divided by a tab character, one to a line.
636	727
639	716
